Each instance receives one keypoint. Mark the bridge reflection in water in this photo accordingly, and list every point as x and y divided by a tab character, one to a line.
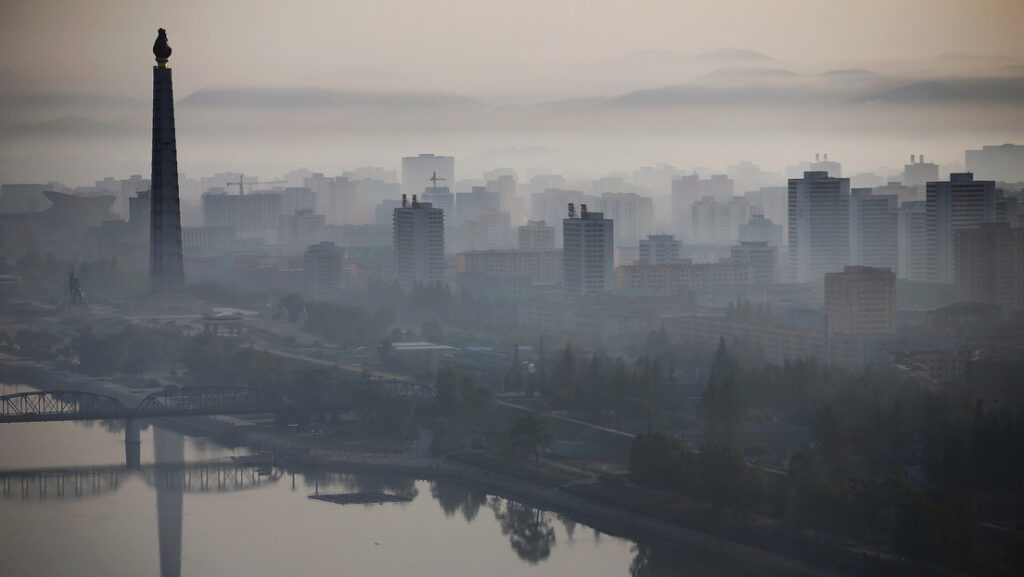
170	475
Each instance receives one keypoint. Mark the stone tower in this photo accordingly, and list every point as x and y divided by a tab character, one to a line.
165	262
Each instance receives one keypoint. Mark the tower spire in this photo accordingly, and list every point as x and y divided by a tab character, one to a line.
166	270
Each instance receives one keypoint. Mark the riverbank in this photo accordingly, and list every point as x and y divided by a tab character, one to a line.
419	463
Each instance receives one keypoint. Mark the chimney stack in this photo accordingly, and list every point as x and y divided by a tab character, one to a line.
912	161
817	157
405	201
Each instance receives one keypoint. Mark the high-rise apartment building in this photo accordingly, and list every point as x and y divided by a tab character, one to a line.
952	206
633	215
861	300
819	225
418	233
919	172
991	268
337	197
418	172
323	272
913	241
301	227
1004	163
588	252
659	249
874	229
688	190
718	222
550	204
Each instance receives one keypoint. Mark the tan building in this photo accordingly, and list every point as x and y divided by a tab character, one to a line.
861	300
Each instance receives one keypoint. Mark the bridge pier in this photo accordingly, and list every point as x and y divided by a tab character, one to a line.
132	444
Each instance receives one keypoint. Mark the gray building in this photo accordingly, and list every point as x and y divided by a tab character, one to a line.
913	241
1004	163
760	257
418	233
588	253
659	249
819	225
417	172
323	271
874	229
952	206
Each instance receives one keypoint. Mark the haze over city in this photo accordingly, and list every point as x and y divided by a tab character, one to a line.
572	87
561	288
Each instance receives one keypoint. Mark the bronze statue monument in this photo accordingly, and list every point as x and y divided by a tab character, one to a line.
161	49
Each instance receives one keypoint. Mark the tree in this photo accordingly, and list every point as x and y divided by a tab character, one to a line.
529	434
431	330
293	304
720	402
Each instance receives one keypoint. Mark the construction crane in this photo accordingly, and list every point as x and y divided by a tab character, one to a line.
241	183
434	179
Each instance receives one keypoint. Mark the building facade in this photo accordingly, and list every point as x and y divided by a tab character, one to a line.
418	239
952	206
819	225
417	172
861	300
588	257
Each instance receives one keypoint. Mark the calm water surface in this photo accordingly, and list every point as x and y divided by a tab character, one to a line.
220	520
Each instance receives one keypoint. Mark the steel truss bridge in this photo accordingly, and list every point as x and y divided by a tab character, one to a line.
82	482
38	406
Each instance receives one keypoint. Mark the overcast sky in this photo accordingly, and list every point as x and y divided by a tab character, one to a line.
520	53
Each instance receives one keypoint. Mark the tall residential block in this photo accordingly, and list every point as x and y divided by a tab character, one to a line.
819	225
861	300
418	230
418	172
588	252
991	269
874	229
919	172
633	215
323	271
952	206
689	189
166	271
913	241
1004	163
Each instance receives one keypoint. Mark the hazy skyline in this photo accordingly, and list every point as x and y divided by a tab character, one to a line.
263	87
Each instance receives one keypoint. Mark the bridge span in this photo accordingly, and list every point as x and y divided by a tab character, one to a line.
42	406
81	482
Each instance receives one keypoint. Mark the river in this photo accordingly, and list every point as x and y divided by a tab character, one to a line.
95	518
